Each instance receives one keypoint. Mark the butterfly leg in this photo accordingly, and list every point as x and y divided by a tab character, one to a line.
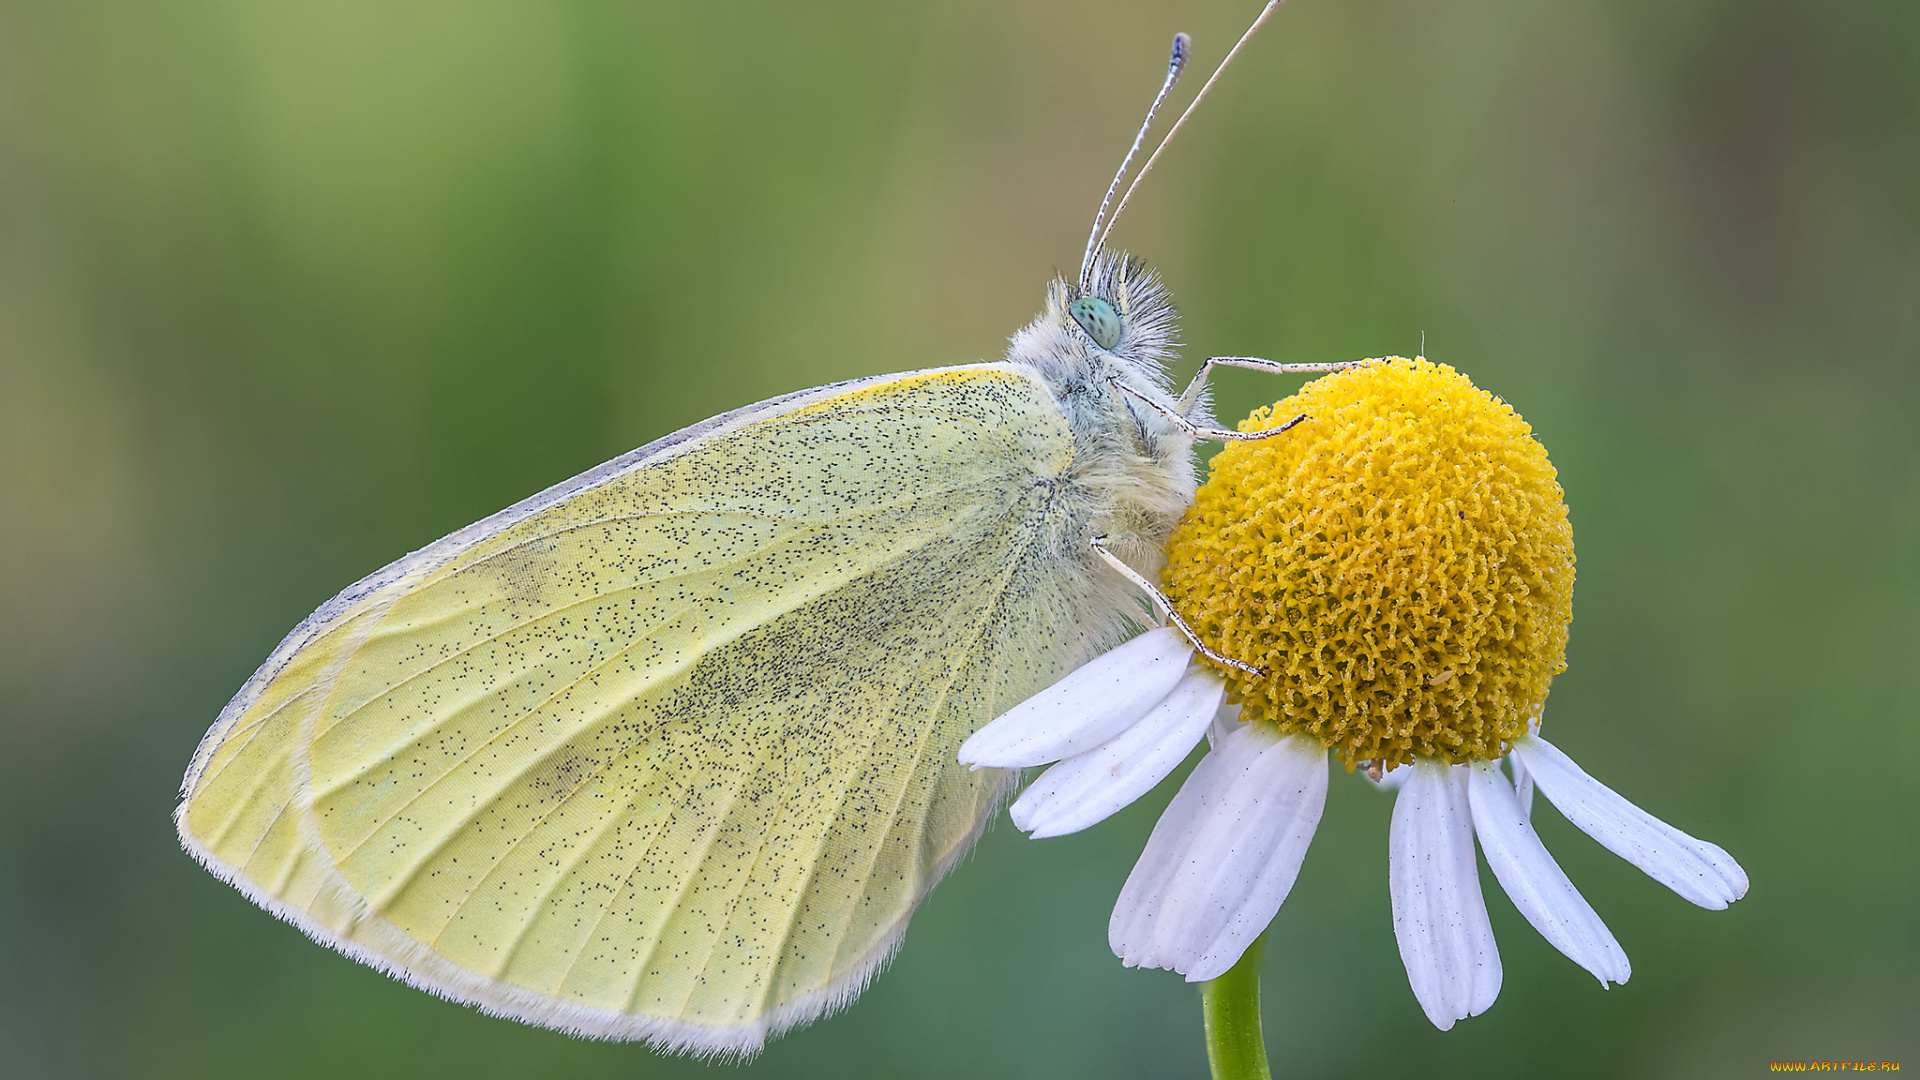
1197	429
1166	607
1190	399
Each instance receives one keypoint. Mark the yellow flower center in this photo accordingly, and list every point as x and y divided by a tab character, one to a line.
1399	565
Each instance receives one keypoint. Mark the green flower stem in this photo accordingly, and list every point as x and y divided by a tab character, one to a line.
1231	1005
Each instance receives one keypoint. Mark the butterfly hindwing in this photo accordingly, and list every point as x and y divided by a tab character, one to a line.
671	753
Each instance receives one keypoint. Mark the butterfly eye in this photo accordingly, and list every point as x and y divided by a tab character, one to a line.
1098	319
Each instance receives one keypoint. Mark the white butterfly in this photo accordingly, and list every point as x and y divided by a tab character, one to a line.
668	751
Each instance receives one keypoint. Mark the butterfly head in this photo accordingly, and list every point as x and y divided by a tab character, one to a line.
1121	319
1119	308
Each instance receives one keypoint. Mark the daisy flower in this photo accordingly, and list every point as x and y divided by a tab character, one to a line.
1396	577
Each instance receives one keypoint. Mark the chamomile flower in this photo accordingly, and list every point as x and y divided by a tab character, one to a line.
1398	573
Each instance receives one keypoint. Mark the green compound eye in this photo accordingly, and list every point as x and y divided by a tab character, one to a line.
1097	318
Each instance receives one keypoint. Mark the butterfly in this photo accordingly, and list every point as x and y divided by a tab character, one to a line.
668	750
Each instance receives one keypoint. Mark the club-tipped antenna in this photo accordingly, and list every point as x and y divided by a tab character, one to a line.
1176	63
1265	13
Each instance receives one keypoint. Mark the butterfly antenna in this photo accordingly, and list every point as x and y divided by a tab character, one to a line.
1265	13
1182	48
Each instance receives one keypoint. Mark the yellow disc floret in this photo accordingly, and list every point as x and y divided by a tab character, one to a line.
1399	566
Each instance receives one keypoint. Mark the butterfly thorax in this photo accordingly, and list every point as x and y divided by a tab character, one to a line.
1133	472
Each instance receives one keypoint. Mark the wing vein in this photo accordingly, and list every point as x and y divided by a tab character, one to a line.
480	805
220	837
713	568
513	947
532	828
920	748
626	882
746	881
919	495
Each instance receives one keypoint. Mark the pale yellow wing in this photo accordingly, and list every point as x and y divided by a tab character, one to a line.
669	751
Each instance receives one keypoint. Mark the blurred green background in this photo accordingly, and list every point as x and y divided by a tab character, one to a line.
288	290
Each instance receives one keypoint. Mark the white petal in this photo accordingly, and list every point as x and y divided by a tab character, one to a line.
1085	789
1698	871
1439	916
1393	779
1536	884
1225	719
1095	702
1522	785
1223	857
1172	850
